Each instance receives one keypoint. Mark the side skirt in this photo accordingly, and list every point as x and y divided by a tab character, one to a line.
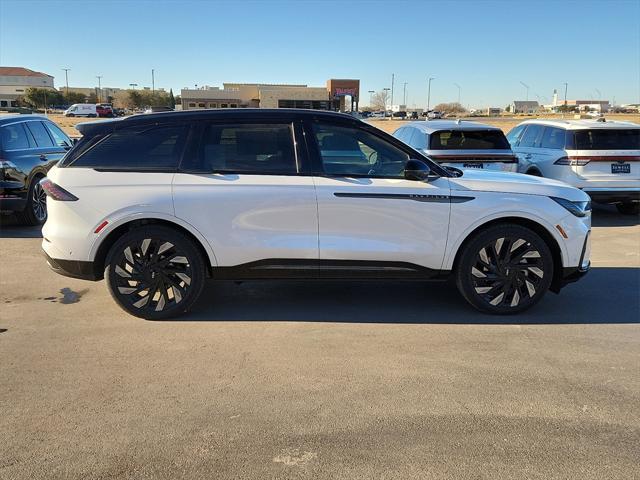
327	269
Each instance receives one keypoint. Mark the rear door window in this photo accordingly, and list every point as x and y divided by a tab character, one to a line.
553	138
607	139
138	148
531	136
14	137
468	140
58	135
248	148
40	134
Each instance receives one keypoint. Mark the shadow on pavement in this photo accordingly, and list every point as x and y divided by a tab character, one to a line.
608	216
605	295
11	228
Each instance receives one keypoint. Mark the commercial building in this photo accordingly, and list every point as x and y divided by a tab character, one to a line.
14	81
261	95
525	106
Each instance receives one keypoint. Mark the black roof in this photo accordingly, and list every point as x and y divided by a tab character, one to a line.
92	128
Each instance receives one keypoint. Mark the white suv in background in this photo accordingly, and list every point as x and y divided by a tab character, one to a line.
455	143
157	203
600	157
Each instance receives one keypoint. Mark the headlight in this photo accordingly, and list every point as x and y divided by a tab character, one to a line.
579	209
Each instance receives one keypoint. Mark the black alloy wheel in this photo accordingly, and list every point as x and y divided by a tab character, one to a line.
155	272
505	269
35	211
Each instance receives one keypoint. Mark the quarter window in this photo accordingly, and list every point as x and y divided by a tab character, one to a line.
418	139
40	134
139	148
14	137
58	135
347	151
247	148
514	135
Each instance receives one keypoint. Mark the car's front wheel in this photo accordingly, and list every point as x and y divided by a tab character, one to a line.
155	272
504	269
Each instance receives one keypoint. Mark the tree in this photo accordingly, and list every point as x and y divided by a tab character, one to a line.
92	98
507	108
453	108
380	99
75	97
41	97
178	100
172	100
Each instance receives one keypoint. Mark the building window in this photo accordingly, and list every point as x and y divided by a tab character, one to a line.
223	105
201	105
234	105
192	104
3	103
213	105
310	104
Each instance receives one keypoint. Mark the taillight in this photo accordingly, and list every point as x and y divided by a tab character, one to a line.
56	192
572	161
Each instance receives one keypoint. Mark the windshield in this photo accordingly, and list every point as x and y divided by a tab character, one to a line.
606	139
468	140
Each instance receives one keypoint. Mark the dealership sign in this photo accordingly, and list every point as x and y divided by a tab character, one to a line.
341	92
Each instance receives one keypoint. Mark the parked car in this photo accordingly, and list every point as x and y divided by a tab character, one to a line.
104	111
414	116
433	114
158	203
378	115
119	112
401	114
460	144
158	109
29	146
600	157
81	110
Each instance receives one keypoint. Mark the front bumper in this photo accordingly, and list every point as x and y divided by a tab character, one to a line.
73	268
573	274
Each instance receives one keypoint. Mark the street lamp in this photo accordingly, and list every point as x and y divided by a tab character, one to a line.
404	95
66	77
133	86
429	94
44	91
527	87
392	82
459	88
566	86
99	77
371	92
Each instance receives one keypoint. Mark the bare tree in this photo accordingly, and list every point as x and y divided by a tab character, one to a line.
453	108
379	100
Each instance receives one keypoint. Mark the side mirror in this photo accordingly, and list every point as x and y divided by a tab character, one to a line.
416	170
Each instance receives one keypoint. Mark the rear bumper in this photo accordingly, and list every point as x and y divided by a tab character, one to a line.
613	195
73	268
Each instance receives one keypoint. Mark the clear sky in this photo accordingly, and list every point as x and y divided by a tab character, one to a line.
487	47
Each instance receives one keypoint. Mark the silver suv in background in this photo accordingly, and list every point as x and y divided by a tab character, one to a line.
598	156
460	144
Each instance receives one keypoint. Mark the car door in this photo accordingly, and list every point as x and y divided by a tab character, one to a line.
370	216
527	149
242	186
47	149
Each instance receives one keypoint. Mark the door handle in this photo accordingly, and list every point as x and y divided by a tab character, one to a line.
43	157
527	156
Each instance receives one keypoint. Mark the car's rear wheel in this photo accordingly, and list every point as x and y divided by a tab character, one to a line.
629	208
504	269
155	272
35	212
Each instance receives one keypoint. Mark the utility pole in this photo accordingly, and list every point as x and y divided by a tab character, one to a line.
99	77
153	82
66	77
44	91
429	94
566	85
459	88
371	92
385	102
392	80
527	87
404	95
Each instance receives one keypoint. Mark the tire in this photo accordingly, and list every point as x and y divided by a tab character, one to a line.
504	269
155	263
70	115
35	212
630	208
534	173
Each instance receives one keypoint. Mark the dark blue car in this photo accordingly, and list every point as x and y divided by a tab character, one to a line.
29	146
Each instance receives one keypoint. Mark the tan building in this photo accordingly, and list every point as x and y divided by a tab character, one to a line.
14	81
259	95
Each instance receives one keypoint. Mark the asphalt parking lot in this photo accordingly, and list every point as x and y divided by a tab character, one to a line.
321	380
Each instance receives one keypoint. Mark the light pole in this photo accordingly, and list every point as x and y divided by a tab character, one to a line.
133	86
66	77
404	95
153	82
384	114
371	92
566	86
429	94
392	81
527	87
44	91
459	88
99	77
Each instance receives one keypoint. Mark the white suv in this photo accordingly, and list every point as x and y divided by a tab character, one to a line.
600	157
157	203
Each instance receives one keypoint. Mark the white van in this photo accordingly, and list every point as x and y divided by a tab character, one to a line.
81	110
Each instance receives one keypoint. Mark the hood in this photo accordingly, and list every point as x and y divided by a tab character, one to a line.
505	182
